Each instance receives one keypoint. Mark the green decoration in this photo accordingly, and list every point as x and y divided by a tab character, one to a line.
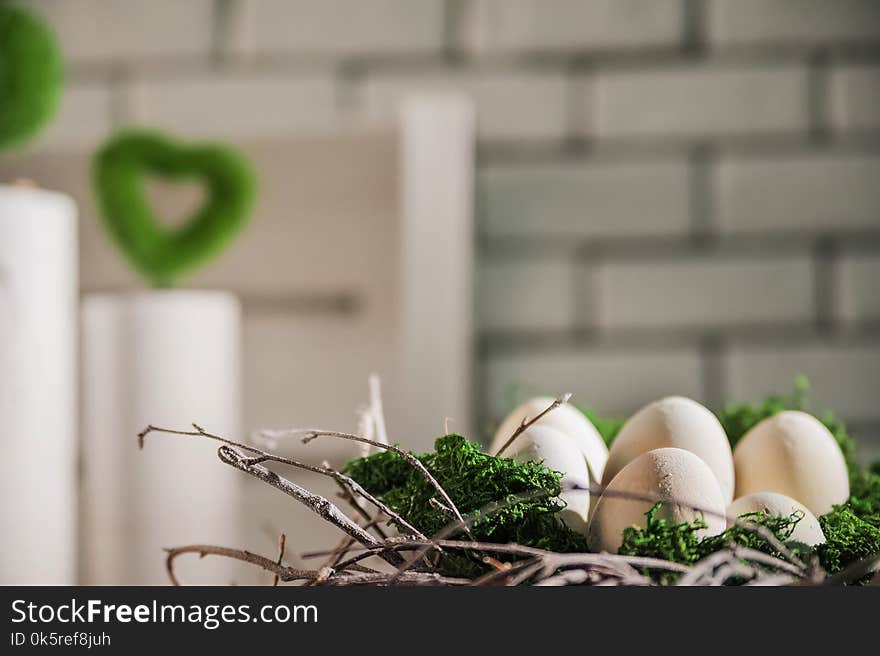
513	502
849	539
30	75
162	254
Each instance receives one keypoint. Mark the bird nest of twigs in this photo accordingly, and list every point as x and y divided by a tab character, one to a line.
369	554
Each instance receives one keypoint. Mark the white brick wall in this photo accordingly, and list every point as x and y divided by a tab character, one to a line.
801	192
612	199
858	293
614	381
845	377
526	294
797	22
855	98
615	137
521	106
234	104
705	291
340	27
493	26
700	101
98	31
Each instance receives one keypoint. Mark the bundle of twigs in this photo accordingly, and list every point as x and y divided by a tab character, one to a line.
406	559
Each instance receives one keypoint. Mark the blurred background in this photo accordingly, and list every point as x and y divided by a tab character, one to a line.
671	196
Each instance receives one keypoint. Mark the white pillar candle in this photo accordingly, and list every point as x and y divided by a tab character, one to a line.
166	358
38	286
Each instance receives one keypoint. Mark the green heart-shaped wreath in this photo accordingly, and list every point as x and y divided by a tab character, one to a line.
30	75
163	254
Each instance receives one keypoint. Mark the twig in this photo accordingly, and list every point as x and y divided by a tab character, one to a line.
324	508
280	572
281	540
361	576
526	422
762	558
551	557
261	456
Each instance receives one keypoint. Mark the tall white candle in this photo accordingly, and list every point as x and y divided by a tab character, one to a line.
166	358
38	286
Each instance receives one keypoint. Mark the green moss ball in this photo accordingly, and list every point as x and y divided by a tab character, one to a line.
30	75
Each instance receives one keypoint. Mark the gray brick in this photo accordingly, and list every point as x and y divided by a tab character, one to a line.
855	98
705	291
340	27
586	200
237	105
610	380
750	22
525	293
531	25
103	30
845	378
799	192
510	105
700	101
858	294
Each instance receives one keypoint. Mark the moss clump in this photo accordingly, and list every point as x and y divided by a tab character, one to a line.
680	543
864	501
739	418
509	501
848	539
30	75
161	254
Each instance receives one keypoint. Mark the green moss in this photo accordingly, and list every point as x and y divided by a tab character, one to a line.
30	75
864	501
513	502
160	253
680	543
849	539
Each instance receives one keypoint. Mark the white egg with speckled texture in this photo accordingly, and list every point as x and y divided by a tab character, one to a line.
794	454
773	504
681	480
566	419
558	452
675	422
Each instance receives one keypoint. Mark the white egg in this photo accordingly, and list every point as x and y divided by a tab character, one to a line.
674	422
558	452
773	504
674	476
794	454
567	419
